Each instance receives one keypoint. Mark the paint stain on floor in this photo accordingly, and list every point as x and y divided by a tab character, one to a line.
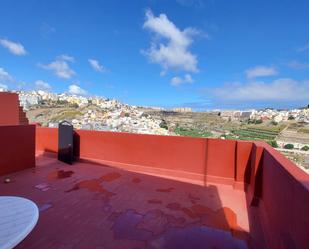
136	226
154	221
165	190
59	174
193	199
110	177
136	180
174	206
125	227
95	185
154	201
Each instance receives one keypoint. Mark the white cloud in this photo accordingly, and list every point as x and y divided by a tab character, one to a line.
283	89
42	85
176	81
14	47
65	57
174	54
76	90
95	64
4	75
60	66
3	87
260	71
298	65
304	48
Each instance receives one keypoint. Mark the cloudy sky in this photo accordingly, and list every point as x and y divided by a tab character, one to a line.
204	54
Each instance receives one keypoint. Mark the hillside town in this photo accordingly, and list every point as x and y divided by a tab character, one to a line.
95	113
128	113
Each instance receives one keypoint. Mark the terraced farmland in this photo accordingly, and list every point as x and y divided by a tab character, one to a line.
255	134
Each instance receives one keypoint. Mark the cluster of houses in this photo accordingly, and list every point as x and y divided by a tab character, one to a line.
278	116
110	115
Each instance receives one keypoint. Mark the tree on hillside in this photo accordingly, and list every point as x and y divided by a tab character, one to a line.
291	118
273	143
305	148
163	124
289	146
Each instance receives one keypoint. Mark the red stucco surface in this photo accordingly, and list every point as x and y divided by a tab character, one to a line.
10	111
221	158
193	159
243	160
284	201
17	147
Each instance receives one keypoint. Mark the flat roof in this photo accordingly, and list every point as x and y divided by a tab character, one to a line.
93	206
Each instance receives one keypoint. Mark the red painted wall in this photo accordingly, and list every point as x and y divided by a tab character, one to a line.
175	153
284	201
243	159
243	164
11	113
17	146
46	139
221	158
253	174
192	158
9	109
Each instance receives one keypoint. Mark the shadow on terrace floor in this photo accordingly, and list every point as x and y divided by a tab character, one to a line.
92	206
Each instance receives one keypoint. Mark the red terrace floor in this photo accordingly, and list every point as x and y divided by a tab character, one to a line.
95	206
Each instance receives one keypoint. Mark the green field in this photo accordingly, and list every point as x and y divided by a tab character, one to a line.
254	134
192	132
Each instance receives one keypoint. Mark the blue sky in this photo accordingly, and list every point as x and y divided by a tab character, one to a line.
202	54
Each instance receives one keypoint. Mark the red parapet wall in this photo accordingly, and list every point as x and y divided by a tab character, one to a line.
243	160
17	146
221	158
192	159
46	140
283	201
146	152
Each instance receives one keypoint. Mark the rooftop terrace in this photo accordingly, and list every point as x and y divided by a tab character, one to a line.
94	206
145	191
